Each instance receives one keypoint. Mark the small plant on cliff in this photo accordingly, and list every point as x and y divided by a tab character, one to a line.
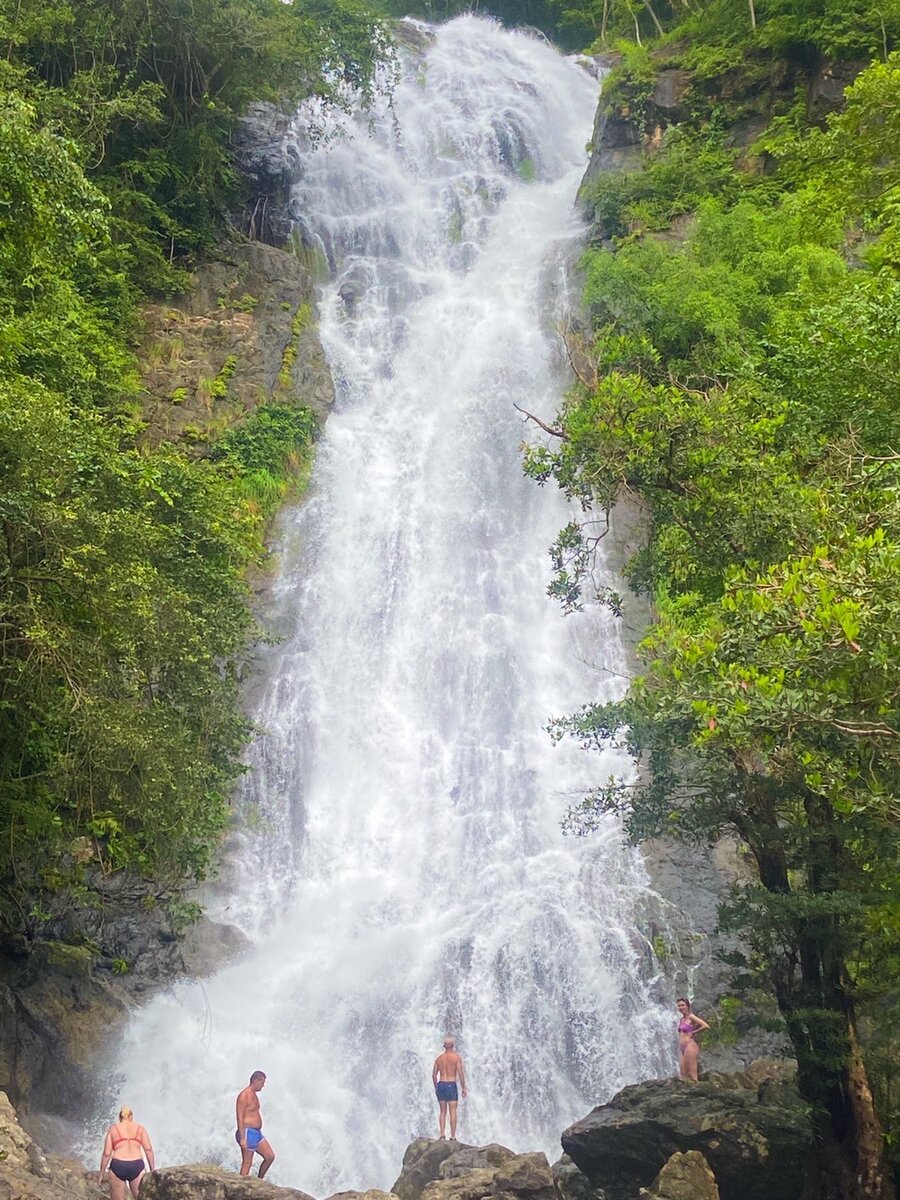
268	454
299	322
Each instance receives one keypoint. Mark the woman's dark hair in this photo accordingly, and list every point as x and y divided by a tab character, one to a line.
683	1000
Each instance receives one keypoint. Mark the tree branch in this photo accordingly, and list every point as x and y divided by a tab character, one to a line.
552	430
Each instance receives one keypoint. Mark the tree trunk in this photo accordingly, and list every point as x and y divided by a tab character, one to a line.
848	1154
849	1162
649	8
752	14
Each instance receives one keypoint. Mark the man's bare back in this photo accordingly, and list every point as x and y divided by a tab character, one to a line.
447	1066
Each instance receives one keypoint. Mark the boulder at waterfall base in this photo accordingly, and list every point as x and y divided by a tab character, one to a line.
202	1182
755	1139
442	1170
422	1165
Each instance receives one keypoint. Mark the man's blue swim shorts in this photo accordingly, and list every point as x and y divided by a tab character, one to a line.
447	1091
254	1137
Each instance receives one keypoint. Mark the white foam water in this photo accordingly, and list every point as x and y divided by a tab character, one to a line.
402	873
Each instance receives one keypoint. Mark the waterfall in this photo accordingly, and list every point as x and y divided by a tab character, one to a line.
402	873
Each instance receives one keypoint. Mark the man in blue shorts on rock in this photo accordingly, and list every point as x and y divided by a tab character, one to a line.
249	1135
448	1068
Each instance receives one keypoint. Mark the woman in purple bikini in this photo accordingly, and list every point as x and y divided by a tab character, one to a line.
688	1048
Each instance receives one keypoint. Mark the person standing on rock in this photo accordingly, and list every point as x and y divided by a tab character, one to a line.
127	1153
249	1134
688	1047
448	1068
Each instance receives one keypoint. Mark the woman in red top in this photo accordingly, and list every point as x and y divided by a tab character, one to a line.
127	1153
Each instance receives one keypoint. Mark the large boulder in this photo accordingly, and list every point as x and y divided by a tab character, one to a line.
371	1194
422	1164
440	1170
527	1176
685	1177
755	1140
201	1182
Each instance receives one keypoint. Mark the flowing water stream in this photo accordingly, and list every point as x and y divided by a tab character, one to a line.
402	872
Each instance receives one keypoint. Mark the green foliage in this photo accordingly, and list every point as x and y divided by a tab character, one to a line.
63	298
183	913
740	378
124	625
540	14
851	167
151	92
721	32
268	454
723	1030
299	322
686	169
124	617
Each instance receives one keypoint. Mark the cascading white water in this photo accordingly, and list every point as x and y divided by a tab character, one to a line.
406	874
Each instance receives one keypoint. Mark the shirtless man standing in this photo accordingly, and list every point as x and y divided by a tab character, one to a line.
249	1126
448	1067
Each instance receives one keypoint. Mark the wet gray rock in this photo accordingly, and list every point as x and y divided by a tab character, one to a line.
444	1170
422	1164
525	1177
572	1184
669	93
693	881
55	1014
201	1182
474	1185
755	1140
269	162
249	313
371	1194
413	37
472	1158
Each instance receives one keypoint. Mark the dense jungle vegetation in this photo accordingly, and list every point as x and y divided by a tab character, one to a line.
123	603
739	380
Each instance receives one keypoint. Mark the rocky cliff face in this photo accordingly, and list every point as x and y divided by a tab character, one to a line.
243	335
27	1173
632	117
269	163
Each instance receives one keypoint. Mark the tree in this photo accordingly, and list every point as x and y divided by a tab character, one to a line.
151	90
741	380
